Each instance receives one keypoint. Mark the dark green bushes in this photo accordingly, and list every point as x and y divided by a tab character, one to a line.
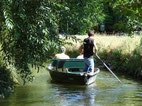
130	64
6	81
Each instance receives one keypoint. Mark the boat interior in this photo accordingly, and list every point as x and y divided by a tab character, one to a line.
72	65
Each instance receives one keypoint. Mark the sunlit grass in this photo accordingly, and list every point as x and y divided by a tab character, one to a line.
110	42
121	53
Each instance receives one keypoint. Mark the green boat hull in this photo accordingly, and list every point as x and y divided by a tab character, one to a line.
71	71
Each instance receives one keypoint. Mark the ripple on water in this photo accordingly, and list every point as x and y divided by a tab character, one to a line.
106	91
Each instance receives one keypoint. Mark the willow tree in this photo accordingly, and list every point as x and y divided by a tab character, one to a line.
29	33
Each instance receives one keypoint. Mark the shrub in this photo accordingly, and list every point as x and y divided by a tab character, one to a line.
6	81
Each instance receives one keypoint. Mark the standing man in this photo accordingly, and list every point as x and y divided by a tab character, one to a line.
90	49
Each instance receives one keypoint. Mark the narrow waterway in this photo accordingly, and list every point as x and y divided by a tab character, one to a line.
106	91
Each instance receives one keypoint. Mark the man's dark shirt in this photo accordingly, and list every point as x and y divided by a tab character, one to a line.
88	47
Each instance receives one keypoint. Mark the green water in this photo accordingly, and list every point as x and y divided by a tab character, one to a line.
107	91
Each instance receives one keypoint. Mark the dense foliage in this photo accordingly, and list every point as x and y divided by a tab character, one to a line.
6	81
128	15
29	32
78	16
29	29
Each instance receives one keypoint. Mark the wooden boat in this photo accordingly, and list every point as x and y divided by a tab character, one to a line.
71	71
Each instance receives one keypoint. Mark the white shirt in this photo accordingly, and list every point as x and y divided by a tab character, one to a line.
62	56
80	56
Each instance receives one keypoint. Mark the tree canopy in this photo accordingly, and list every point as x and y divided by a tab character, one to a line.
130	13
28	33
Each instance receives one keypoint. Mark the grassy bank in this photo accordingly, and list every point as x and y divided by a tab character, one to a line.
121	53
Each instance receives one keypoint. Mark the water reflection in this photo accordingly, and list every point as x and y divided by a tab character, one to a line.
78	95
106	91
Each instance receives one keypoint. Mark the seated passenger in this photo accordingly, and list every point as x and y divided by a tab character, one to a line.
62	55
80	56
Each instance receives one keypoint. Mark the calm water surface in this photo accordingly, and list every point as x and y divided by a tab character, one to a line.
107	91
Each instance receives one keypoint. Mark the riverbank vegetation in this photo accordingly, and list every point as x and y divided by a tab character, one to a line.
121	53
29	29
6	80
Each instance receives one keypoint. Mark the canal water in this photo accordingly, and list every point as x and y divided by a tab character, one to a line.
107	91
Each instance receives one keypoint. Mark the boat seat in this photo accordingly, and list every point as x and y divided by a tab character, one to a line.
75	69
58	63
74	64
61	63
